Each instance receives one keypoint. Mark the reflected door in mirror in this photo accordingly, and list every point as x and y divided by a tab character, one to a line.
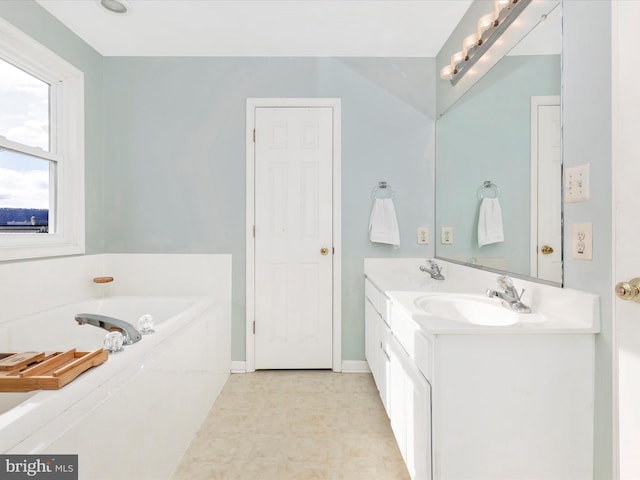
546	165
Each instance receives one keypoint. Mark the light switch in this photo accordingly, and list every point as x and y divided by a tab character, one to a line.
423	235
576	184
582	241
446	235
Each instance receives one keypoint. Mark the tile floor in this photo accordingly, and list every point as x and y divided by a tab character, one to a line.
289	425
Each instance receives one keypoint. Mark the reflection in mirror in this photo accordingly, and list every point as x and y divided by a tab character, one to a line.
505	130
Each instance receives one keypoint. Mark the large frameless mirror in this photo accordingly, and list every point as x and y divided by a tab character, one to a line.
498	163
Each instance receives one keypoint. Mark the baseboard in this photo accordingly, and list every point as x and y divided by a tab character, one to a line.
348	366
238	366
355	366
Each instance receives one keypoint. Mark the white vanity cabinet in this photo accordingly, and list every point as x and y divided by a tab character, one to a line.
467	403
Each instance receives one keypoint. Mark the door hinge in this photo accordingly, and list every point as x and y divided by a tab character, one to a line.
254	327
254	231
254	135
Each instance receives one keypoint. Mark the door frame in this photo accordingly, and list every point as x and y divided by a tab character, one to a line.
536	101
335	105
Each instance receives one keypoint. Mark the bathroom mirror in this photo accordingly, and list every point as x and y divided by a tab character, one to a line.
502	139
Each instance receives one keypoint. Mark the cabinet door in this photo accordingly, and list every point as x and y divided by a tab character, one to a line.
396	383
371	343
410	411
384	333
418	408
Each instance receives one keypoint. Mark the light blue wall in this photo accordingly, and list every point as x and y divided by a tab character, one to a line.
175	161
486	135
40	25
586	98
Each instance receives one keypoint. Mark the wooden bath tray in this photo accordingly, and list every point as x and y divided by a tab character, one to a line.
26	371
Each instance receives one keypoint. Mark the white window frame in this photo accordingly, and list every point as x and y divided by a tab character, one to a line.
67	149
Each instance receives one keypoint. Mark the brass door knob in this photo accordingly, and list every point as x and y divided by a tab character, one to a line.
629	290
324	250
546	250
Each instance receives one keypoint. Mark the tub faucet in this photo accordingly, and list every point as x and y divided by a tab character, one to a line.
130	334
510	296
433	269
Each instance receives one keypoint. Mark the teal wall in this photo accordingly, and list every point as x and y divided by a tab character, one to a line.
38	24
586	120
175	161
486	135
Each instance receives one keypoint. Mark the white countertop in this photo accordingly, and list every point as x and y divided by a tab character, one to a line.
555	310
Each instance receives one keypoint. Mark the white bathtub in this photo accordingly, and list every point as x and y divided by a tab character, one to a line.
133	416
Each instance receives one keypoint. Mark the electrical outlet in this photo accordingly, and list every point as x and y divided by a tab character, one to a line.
582	241
446	235
576	184
423	235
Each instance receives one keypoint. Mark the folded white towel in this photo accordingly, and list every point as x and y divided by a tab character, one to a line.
490	228
383	224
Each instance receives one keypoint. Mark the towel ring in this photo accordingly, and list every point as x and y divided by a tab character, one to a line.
488	185
383	186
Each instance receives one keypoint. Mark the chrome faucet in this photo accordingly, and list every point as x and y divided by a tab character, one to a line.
432	269
130	334
510	296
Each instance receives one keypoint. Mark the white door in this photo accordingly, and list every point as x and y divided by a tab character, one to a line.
626	172
293	237
546	189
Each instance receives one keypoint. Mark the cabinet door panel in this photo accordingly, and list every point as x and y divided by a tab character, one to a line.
397	410
418	407
371	344
384	333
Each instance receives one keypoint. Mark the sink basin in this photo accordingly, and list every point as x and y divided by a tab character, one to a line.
474	309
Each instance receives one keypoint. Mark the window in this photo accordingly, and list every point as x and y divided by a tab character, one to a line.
41	150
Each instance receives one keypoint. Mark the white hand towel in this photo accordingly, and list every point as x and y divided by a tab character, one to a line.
490	228
383	224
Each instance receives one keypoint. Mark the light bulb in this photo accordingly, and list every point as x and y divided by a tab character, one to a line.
500	4
484	24
469	43
445	72
457	58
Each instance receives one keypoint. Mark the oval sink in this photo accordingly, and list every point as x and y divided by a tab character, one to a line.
468	308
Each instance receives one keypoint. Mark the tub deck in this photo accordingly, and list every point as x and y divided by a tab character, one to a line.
137	396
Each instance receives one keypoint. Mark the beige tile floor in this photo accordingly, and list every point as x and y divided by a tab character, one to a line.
289	425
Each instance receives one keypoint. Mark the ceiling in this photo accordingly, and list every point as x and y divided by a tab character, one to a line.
342	28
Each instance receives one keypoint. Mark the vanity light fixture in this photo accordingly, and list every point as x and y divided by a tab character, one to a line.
489	28
116	6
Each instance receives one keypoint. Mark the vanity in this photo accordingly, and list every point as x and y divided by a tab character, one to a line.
474	390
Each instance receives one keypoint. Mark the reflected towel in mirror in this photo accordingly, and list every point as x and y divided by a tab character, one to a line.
383	223
490	228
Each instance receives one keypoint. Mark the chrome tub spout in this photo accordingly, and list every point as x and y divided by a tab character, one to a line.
130	334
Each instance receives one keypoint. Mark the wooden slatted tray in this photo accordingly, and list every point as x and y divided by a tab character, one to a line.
26	371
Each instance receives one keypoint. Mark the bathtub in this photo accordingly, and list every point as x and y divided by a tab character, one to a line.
134	415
